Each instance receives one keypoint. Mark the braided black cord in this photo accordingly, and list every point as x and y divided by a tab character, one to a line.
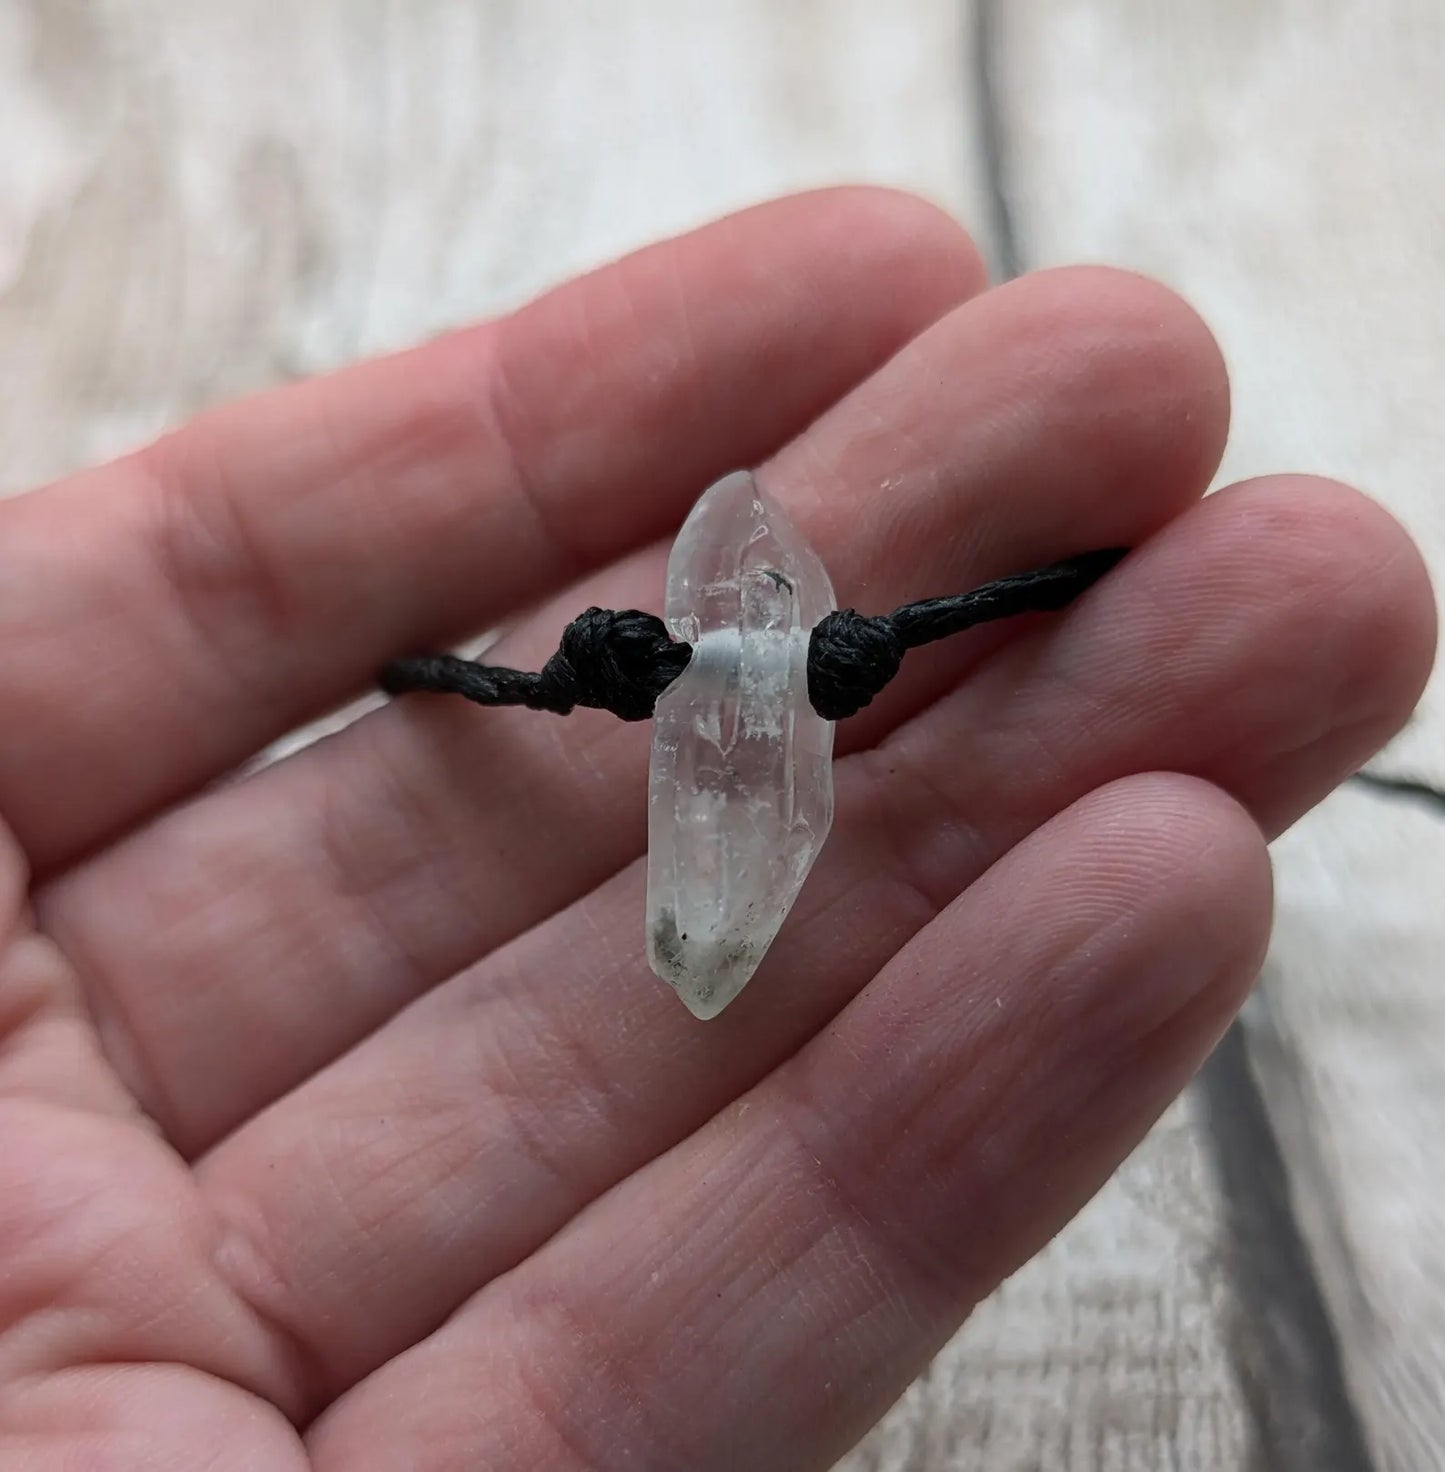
607	660
622	662
852	656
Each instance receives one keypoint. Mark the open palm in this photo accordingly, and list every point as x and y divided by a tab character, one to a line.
341	1123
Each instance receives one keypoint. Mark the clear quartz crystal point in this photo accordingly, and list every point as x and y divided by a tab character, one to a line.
741	789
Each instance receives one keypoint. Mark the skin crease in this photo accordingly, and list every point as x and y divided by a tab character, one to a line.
341	1125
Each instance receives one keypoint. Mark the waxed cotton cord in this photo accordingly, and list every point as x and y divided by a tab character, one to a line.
851	656
607	660
623	661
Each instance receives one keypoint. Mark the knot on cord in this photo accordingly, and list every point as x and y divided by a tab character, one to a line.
619	662
851	657
608	660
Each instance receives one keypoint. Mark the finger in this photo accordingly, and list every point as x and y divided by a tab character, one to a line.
48	1046
760	1295
163	618
300	910
1240	643
160	1417
1307	582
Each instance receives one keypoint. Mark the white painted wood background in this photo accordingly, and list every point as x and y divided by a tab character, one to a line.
199	197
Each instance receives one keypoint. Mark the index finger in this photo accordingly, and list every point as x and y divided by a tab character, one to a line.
163	618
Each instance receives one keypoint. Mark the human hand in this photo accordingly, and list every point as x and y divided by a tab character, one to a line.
341	1123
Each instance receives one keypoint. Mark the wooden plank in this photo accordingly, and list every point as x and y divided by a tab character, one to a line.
212	198
1280	163
1348	1038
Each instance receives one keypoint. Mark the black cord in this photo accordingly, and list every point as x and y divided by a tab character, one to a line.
610	661
852	657
622	662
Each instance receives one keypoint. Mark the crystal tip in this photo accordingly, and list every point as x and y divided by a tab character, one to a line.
706	972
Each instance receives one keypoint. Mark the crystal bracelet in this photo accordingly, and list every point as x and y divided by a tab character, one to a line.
743	681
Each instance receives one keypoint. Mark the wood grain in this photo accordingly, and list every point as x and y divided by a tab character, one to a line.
1282	163
215	197
1348	1038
